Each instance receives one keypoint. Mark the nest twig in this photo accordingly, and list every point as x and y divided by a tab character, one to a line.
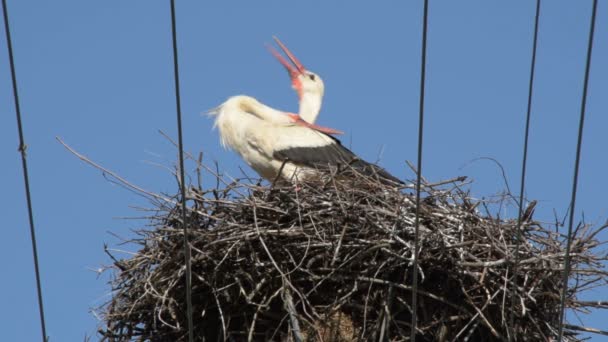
332	261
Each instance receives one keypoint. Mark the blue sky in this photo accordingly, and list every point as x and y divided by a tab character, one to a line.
99	75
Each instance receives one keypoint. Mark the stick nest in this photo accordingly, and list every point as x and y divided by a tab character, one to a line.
333	261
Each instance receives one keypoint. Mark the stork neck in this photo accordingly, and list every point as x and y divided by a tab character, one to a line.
310	106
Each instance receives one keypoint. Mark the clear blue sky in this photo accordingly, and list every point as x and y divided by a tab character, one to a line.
99	74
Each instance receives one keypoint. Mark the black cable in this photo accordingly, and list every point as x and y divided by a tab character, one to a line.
523	163
419	167
22	150
575	177
182	178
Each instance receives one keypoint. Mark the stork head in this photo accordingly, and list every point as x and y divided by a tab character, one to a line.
304	82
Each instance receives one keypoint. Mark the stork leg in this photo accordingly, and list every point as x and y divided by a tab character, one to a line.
278	177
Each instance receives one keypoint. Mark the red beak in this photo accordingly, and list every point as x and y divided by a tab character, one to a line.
298	121
296	68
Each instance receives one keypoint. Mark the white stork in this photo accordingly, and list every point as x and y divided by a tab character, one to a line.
308	85
282	145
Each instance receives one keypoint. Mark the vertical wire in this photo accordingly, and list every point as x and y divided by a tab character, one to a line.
575	177
22	150
182	177
523	164
419	167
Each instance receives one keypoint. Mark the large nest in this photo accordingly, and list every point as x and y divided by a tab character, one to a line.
333	261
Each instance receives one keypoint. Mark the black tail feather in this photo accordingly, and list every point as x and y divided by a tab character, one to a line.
375	171
335	157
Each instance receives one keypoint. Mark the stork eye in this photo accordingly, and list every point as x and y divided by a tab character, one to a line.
312	77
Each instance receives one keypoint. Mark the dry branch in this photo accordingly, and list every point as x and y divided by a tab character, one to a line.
319	262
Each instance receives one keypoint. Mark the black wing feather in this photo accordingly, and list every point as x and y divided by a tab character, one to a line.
332	156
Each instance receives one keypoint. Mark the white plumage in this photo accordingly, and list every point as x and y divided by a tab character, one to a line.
258	133
308	85
284	145
281	145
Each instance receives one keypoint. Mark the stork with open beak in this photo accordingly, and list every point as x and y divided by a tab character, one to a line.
279	145
308	85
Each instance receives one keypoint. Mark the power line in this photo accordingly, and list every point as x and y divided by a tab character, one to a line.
419	167
182	177
22	151
524	161
575	177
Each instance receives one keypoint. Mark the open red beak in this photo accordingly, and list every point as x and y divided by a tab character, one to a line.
295	68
